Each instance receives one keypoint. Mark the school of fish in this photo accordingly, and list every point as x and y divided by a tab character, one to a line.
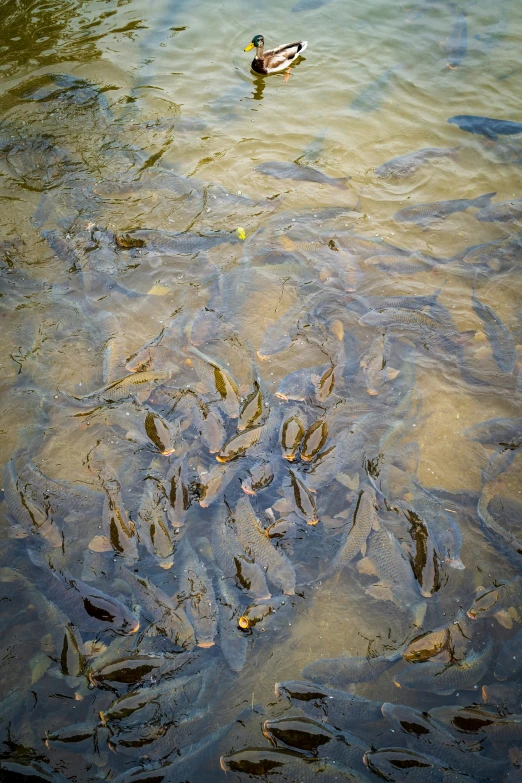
198	488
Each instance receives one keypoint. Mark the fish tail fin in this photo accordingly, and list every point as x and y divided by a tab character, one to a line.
483	201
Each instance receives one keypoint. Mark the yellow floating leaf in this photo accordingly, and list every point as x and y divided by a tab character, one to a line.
158	290
241	233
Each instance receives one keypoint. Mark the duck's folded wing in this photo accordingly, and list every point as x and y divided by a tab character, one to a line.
279	57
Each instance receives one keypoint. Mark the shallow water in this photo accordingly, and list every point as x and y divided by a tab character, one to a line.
118	121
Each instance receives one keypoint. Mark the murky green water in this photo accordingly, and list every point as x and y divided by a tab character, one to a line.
296	471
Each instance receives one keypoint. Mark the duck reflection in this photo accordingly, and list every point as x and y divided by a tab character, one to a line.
259	87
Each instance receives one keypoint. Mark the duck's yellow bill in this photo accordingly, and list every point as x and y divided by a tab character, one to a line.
249	47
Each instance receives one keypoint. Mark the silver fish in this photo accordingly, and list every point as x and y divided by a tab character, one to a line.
372	96
218	381
456	46
233	561
282	170
443	677
361	520
503	212
153	524
375	366
197	592
424	214
349	669
406	165
502	343
252	537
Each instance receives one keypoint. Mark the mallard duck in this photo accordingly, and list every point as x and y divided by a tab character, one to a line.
274	60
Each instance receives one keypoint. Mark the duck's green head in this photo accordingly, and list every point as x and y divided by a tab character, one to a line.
256	41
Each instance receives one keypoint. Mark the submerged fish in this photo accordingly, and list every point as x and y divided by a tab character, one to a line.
234	643
367	248
442	527
170	242
308	5
410	765
135	670
361	520
153	525
423	731
509	661
324	384
386	559
428	645
496	432
206	421
375	366
445	678
116	523
23	770
260	476
476	719
239	444
218	381
299	385
160	702
372	96
292	433
349	669
256	612
424	214
315	149
401	265
159	433
408	164
234	563
500	338
281	334
251	409
311	736
27	510
301	173
197	594
166	617
251	536
314	440
138	385
87	607
486	126
176	494
503	212
272	765
456	46
390	317
341	709
304	500
214	482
